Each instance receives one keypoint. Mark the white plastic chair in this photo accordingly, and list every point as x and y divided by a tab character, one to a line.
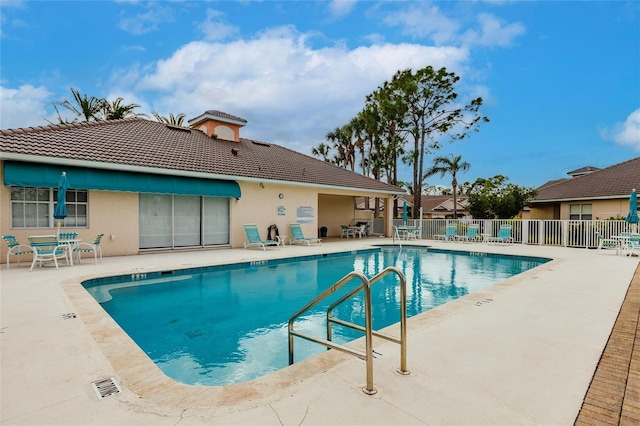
15	248
46	248
84	247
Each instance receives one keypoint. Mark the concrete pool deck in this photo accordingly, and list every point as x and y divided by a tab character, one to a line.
522	351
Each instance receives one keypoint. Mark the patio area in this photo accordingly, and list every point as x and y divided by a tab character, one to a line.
523	351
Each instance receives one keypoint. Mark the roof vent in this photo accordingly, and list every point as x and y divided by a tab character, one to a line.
234	151
180	128
214	136
260	143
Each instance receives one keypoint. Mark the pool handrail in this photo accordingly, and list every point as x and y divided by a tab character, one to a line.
402	341
369	389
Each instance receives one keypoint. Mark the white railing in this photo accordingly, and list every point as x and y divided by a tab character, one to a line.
567	233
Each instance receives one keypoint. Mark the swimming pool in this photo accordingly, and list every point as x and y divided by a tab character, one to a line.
227	324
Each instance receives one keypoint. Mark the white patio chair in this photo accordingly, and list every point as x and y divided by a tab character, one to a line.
46	248
85	247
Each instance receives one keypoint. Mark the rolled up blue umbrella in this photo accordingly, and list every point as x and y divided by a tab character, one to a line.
632	217
60	211
405	215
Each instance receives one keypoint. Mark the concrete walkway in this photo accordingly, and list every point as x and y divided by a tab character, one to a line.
522	351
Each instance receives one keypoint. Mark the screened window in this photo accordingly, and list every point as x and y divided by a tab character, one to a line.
33	208
580	212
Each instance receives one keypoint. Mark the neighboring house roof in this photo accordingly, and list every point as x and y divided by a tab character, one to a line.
615	181
148	146
430	203
443	203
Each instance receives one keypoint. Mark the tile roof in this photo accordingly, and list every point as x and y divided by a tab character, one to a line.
443	203
140	143
615	181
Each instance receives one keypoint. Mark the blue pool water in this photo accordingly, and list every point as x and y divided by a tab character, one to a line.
227	324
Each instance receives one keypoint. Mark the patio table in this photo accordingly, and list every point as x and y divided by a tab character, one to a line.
71	244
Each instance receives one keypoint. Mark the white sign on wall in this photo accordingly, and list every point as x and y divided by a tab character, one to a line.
304	214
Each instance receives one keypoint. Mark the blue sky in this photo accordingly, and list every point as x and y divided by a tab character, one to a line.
560	80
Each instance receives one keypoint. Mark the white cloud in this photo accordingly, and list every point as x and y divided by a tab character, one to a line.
24	106
424	20
626	133
148	21
278	77
341	8
215	28
493	32
427	20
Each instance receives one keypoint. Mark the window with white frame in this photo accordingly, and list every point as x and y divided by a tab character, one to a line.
33	207
580	212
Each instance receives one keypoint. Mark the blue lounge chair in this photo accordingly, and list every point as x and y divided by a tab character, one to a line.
608	243
471	235
253	237
297	237
504	235
449	233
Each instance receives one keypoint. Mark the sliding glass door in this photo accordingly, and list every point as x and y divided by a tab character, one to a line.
179	221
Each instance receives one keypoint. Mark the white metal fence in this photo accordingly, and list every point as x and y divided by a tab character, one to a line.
567	233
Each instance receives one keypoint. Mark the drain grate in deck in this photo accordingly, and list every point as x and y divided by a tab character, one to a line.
69	315
106	387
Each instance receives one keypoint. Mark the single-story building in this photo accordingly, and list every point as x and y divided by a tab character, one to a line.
589	194
153	186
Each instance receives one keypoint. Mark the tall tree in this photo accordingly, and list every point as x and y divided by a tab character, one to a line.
450	165
430	111
174	120
384	113
493	198
85	107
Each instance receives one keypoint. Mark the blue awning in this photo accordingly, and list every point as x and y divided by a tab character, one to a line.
47	175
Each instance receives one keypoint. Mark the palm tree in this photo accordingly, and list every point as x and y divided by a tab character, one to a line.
87	107
173	120
322	150
341	138
116	110
450	165
60	119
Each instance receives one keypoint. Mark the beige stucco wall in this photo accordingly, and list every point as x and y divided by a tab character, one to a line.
336	210
115	214
601	209
261	205
544	212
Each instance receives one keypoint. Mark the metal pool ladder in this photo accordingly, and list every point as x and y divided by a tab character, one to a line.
367	355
